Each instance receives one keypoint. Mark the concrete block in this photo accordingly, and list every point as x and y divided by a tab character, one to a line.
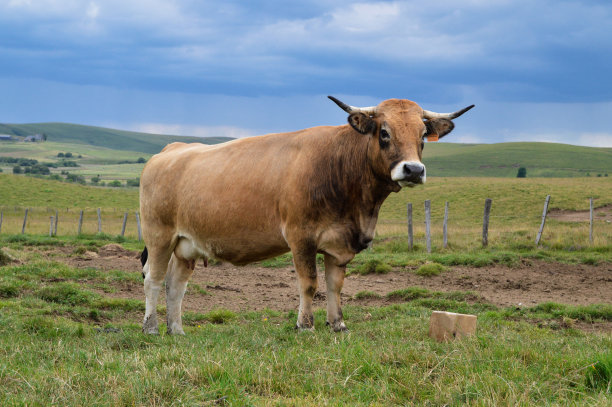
447	326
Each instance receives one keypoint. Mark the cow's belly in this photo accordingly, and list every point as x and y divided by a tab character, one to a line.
238	249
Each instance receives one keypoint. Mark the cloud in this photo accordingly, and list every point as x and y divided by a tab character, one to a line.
595	139
503	48
190	130
531	67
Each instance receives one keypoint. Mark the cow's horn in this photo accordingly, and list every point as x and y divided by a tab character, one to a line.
433	115
352	109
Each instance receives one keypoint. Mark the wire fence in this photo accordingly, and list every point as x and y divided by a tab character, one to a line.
440	226
70	221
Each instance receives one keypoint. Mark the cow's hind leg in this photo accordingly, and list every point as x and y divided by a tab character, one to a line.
179	272
334	278
155	268
304	259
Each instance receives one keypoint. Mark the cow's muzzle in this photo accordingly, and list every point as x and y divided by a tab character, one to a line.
409	173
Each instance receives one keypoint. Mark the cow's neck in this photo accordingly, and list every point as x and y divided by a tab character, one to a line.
368	189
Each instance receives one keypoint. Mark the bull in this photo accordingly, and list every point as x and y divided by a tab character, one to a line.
317	190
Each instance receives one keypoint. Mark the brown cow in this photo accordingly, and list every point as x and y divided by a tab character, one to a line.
312	191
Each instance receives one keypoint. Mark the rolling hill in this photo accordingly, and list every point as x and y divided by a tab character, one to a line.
504	159
103	137
441	159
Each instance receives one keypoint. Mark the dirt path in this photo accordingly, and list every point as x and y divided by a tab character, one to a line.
256	288
602	214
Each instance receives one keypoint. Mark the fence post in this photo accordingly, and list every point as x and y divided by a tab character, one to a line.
428	224
445	225
56	219
1	215
25	219
80	222
410	235
544	212
138	225
99	221
485	222
124	223
50	226
591	220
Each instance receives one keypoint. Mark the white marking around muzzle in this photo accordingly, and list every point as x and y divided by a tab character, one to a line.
398	174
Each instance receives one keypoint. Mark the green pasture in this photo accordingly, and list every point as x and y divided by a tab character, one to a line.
47	152
102	137
107	147
504	160
102	162
25	191
66	340
515	215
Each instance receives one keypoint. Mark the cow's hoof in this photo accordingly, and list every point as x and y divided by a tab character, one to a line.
304	328
175	331
337	326
150	331
149	326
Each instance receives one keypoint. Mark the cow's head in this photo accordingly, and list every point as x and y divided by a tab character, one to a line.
398	129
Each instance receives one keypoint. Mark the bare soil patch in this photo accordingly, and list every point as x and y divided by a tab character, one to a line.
602	214
254	287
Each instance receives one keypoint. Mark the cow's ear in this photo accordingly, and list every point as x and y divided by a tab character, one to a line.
438	128
363	123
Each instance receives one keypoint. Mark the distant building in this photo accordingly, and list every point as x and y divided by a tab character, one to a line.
6	137
35	138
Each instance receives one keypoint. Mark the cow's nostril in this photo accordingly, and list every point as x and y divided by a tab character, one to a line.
407	170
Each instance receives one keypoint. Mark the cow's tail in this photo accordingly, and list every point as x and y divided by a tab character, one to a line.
143	259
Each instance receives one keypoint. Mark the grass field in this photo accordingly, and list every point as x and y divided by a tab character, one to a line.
106	147
504	159
102	137
65	340
515	215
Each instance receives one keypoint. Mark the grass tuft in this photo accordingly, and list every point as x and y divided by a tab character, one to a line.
220	316
430	269
373	266
9	289
65	293
5	257
409	294
599	374
366	294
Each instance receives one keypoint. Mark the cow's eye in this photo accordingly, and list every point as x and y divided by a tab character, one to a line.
384	134
422	145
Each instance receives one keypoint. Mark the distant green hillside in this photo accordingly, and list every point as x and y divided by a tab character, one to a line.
504	159
442	159
103	137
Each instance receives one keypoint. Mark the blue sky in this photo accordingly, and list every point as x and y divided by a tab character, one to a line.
536	70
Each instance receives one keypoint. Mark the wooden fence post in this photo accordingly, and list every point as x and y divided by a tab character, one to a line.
410	235
56	219
99	221
428	224
25	219
124	223
544	212
80	222
591	220
445	225
50	226
485	222
138	225
1	215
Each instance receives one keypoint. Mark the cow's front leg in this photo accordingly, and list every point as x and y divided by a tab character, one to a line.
304	259
334	278
179	272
